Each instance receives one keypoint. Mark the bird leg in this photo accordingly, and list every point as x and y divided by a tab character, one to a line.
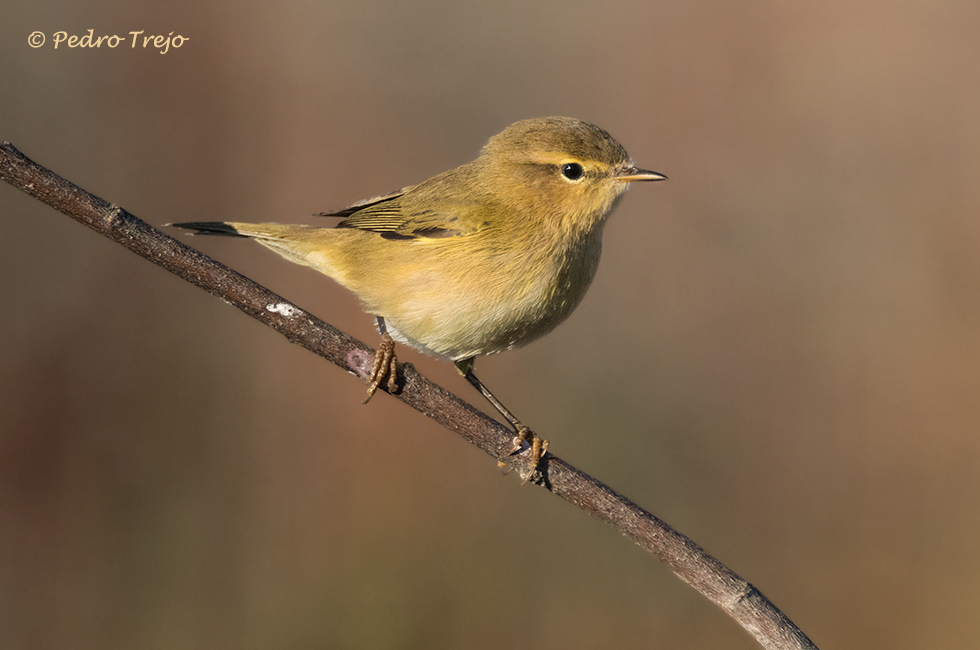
385	363
524	434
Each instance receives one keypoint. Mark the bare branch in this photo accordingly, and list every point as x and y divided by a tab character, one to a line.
690	562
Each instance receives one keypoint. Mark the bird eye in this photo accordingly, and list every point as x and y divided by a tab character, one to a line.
572	171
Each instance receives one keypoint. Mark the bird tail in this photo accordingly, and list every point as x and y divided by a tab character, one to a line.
270	231
307	245
207	228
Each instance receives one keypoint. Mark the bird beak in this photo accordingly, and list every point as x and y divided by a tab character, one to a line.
631	174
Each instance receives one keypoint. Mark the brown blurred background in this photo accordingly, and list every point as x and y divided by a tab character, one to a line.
780	355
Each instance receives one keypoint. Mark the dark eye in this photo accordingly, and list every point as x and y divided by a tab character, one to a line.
572	171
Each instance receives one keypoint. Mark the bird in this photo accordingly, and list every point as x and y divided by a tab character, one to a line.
479	259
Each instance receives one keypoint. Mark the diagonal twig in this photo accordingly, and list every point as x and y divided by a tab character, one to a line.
719	584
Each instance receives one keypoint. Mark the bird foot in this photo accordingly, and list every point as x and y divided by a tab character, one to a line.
538	449
385	365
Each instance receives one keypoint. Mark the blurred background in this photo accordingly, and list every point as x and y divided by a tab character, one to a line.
780	355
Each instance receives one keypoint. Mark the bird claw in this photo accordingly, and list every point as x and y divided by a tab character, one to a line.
385	365
538	449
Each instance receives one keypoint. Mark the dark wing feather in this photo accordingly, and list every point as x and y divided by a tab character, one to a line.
365	203
388	216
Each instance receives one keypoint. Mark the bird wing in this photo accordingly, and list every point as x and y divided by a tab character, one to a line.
394	217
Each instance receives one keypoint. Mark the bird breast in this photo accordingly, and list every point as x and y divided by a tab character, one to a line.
507	299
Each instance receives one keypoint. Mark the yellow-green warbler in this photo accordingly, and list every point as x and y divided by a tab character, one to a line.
480	259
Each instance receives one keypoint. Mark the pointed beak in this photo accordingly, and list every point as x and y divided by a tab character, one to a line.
631	174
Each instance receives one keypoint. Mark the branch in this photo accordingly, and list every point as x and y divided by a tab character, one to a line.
690	562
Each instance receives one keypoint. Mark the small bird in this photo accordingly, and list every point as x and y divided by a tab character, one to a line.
479	259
